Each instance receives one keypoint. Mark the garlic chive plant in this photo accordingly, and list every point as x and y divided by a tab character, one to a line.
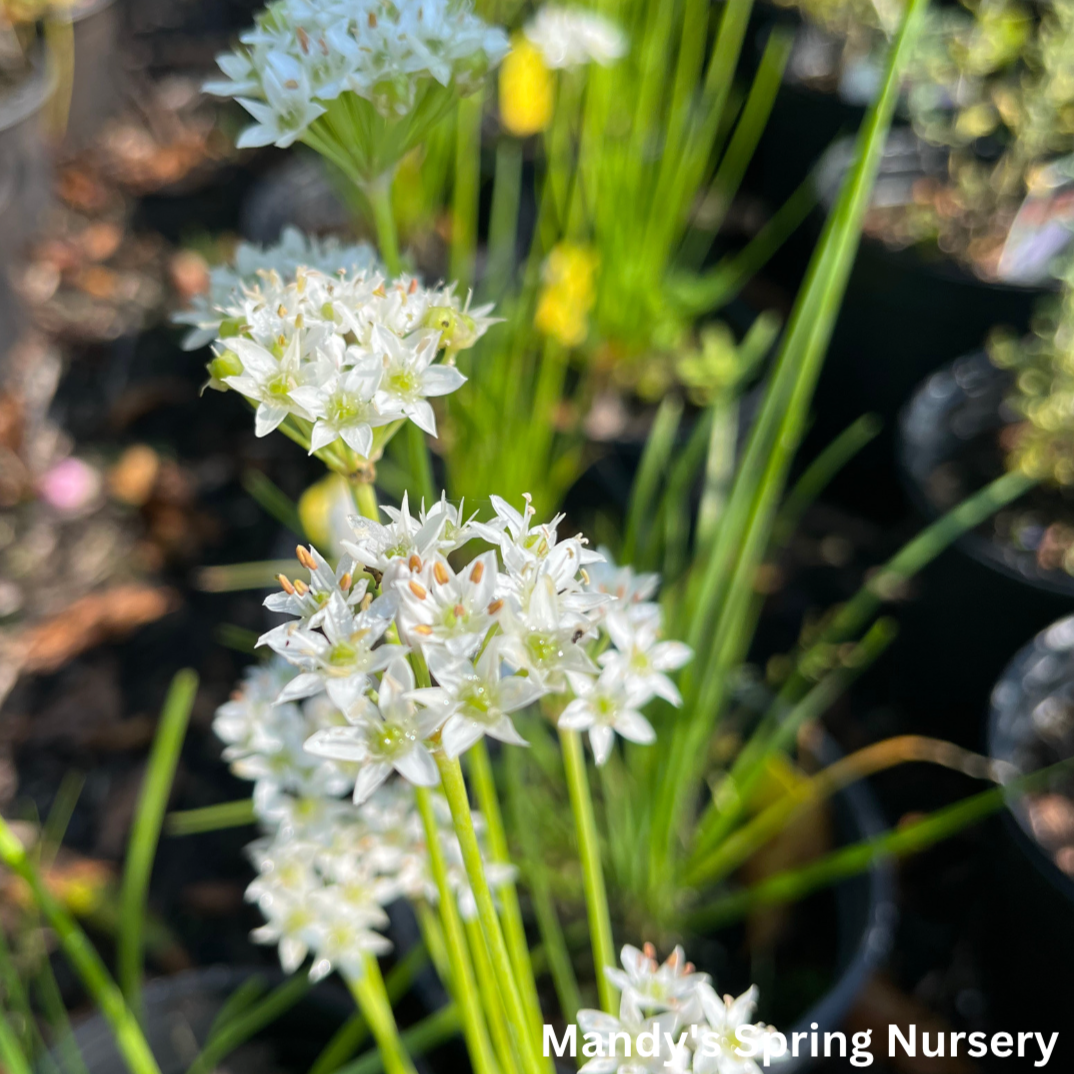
337	357
394	665
362	82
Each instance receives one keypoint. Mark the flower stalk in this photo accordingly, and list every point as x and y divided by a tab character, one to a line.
462	983
454	788
372	998
378	193
596	898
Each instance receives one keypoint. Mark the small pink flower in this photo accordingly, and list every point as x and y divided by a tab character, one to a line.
70	486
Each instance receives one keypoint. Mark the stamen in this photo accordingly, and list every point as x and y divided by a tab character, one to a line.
414	563
287	587
440	573
477	573
495	606
418	590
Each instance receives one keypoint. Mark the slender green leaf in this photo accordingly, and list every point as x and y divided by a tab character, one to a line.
83	957
240	1029
428	1033
820	472
234	577
274	500
654	462
212	818
145	831
795	884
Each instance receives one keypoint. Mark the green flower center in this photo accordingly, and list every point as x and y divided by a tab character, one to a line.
477	697
404	382
393	739
344	409
604	706
543	647
279	386
341	654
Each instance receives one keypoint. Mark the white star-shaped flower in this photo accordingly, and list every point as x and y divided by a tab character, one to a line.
476	700
384	736
409	377
605	706
641	658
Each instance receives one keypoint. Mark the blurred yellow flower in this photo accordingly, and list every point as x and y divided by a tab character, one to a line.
526	90
568	294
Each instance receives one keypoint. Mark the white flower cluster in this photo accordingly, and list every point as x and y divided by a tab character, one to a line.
327	869
524	619
572	37
295	250
688	1025
341	353
301	55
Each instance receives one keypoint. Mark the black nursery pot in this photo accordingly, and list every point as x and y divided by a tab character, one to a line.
1030	725
906	312
977	602
866	915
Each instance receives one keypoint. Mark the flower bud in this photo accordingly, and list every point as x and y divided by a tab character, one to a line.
225	364
457	330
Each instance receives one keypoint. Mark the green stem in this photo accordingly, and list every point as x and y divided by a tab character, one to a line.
346	1040
14	1059
372	999
83	957
820	472
467	183
145	832
48	991
421	471
365	497
379	193
544	907
490	998
462	984
428	1033
212	818
515	932
596	899
455	791
503	219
